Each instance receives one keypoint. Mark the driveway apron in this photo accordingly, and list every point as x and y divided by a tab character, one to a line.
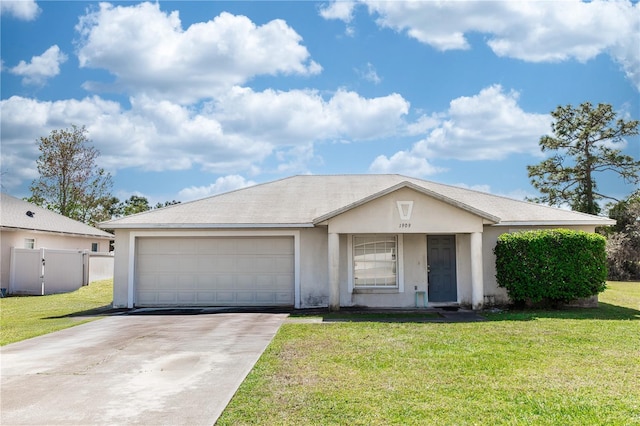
146	369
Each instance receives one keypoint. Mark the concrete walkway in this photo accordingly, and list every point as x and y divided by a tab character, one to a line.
128	369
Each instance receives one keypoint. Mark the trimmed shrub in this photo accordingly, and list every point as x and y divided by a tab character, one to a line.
554	266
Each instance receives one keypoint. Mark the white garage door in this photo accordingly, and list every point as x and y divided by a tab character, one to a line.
234	271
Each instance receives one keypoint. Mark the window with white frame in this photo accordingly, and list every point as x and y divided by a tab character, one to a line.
375	261
94	246
29	243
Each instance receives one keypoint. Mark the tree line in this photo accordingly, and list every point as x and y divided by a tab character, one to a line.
582	147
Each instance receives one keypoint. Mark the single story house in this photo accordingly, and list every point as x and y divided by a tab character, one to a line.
26	226
318	241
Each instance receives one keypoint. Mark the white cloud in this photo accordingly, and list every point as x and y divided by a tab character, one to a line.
234	134
41	67
298	117
423	124
222	184
26	10
405	163
151	136
487	126
342	10
370	74
532	31
149	52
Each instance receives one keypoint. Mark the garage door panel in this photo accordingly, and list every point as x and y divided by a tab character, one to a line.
244	282
188	281
283	281
245	297
266	298
213	264
284	298
204	282
225	282
157	282
166	297
207	298
281	247
263	281
224	297
283	264
215	271
189	263
186	297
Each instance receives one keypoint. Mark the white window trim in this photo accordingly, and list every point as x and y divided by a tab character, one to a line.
399	266
30	240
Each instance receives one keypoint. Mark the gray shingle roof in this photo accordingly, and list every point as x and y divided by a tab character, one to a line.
305	200
13	215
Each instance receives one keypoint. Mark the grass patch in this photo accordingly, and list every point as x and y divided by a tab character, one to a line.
23	317
543	368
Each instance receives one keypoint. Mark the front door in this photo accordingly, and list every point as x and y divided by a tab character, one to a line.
441	258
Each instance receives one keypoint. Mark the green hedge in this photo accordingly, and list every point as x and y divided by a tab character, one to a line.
554	266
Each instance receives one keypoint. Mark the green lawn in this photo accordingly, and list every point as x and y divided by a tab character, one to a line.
29	316
573	367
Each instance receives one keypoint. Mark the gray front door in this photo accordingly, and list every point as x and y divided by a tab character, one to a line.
441	257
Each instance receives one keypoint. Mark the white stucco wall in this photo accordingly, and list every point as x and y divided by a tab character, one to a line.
121	268
314	273
463	268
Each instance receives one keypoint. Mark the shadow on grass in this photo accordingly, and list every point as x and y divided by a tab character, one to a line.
372	315
604	311
95	312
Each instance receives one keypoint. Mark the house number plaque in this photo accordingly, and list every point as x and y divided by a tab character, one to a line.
405	208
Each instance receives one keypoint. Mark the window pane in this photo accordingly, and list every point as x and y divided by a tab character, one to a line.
29	243
374	261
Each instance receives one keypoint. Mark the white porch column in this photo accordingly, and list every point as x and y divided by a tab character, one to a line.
477	285
334	271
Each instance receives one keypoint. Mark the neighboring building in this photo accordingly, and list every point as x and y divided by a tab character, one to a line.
317	241
25	225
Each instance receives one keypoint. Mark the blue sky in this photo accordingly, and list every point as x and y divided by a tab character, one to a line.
189	99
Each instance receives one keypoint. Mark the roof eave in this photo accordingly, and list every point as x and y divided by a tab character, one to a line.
203	225
603	222
45	231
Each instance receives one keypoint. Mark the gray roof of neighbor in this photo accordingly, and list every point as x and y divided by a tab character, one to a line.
14	215
310	199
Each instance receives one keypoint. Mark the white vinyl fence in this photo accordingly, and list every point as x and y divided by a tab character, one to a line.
49	271
100	266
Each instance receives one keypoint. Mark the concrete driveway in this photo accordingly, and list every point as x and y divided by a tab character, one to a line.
133	369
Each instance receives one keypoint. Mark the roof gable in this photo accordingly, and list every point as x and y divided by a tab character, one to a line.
417	188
